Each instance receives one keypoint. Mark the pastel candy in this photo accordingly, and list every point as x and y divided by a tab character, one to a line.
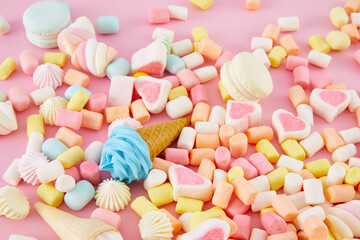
350	135
158	15
28	62
249	170
12	175
210	229
8	122
193	60
19	99
50	171
355	100
4	26
80	195
97	102
119	67
178	12
68	118
242	115
73	77
158	32
3	96
121	91
107	24
52	148
70	91
174	64
328	104
89	171
65	183
319	59
93	151
40	95
107	216
187	138
217	115
182	48
155	178
313	190
7	67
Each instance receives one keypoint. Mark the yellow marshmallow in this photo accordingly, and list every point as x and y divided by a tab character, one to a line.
293	149
78	101
344	165
338	17
318	43
199	33
7	67
276	55
234	173
224	94
265	147
265	210
161	195
277	178
141	205
198	217
71	156
195	46
330	236
139	74
57	58
48	193
215	212
323	182
35	123
318	168
353	176
203	4
177	92
184	205
338	40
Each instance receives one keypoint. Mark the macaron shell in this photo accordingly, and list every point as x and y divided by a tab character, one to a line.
41	43
252	74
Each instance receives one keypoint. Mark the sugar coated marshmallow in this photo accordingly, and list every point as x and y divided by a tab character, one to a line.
243	115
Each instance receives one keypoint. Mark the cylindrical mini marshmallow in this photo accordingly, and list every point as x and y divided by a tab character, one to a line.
187	138
225	133
284	207
174	64
50	171
293	183
342	154
68	118
317	211
224	57
155	178
249	170
73	172
163	31
217	115
238	145
206	169
179	107
206	73
355	100
28	61
35	142
90	171
261	42
206	127
321	81
305	112
335	175
209	49
187	78
80	195
315	228
178	12
273	223
52	148
158	15
314	193
201	113
312	144
40	95
109	217
198	94
261	163
93	152
261	54
185	221
293	62
177	156
235	207
198	154
65	183
222	158
301	76
340	193
219	175
298	199
297	96
12	175
351	135
19	99
288	24
263	200
258	234
182	48
261	183
193	60
20	237
222	194
291	164
319	59
354	162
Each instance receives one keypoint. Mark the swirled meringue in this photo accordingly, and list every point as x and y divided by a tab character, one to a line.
13	203
50	107
48	75
128	121
112	195
155	225
28	165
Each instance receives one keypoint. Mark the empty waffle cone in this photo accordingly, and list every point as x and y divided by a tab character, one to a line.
160	136
70	227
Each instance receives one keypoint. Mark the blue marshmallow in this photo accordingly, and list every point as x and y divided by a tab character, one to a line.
107	25
119	67
73	89
80	195
174	64
53	147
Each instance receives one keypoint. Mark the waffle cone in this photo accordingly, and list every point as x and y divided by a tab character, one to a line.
70	227
160	136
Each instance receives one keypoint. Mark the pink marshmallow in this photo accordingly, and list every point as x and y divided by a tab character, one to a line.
89	171
259	161
301	76
273	223
236	207
249	170
97	102
243	227
28	62
293	62
177	156
198	94
187	78
222	158
74	173
19	99
173	80
321	81
68	118
158	15
108	217
225	56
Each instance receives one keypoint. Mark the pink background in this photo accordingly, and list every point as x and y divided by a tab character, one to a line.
228	23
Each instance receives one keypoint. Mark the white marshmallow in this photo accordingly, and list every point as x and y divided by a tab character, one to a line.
206	74
206	127
298	199
178	12
355	100
179	107
262	200
350	135
305	112
261	42
12	175
40	95
155	178
355	19
20	237
354	162
187	138
317	210
314	192
4	26
288	24
193	60
291	164
93	152
319	59
35	142
182	48
219	175
121	91
185	221
293	183
217	115
261	183
258	234
342	154
261	54
312	144
50	171
336	175
65	183
163	31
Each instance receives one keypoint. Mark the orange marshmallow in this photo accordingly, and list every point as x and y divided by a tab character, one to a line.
222	194
255	134
238	145
206	169
284	207
340	193
271	31
352	31
225	133
283	236
161	164
113	113
289	44
176	224
198	154
209	48
337	86
244	190
351	6
291	228
315	228
68	137
232	224
306	174
302	235
207	140
357	112
200	113
298	96
252	5
139	111
74	77
91	120
332	139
